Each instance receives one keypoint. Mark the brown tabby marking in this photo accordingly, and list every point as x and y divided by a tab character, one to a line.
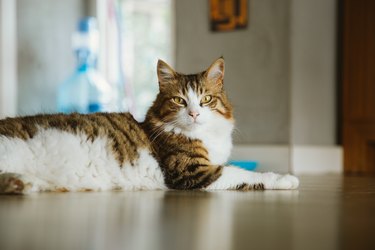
124	133
62	190
184	162
248	187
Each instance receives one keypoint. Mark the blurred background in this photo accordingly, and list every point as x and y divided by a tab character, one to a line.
291	67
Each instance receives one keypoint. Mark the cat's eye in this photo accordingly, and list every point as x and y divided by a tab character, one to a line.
179	100
206	99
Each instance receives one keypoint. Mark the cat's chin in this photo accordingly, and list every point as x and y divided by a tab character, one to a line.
185	129
194	125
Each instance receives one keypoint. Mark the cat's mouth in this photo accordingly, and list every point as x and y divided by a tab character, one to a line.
194	123
187	127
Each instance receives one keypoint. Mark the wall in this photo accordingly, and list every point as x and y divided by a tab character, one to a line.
8	62
44	50
313	90
257	64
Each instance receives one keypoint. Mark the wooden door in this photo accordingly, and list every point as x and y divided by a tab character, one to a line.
358	85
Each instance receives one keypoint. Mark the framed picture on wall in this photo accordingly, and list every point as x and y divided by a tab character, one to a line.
228	15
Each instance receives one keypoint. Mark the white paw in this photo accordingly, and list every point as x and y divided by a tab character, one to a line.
286	182
276	181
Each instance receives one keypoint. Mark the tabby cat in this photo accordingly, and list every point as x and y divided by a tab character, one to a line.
182	144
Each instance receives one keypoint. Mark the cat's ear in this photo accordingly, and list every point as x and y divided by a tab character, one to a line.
165	72
215	73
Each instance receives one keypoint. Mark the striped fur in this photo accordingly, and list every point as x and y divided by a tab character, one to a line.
185	161
126	136
247	187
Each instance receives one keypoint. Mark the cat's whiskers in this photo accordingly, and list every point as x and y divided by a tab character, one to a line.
158	131
155	131
237	133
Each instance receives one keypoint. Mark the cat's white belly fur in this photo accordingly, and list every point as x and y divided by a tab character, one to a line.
60	159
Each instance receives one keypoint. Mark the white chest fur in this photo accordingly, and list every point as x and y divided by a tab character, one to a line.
219	146
217	139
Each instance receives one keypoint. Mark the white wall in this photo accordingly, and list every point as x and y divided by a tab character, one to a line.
313	89
8	58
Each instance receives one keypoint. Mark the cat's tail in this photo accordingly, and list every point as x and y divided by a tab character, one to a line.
12	183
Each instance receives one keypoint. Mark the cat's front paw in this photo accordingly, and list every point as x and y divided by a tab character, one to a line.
277	181
286	182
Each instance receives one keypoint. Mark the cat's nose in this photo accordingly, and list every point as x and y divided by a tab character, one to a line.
194	114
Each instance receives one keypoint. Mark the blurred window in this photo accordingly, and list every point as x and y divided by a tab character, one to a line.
134	35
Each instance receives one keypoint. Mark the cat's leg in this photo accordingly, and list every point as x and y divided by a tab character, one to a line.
12	183
240	179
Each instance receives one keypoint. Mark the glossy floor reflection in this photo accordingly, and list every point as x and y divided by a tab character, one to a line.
327	212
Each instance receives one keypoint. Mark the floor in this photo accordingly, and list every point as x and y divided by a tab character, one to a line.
327	212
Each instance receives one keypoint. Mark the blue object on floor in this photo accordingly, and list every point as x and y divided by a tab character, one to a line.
248	165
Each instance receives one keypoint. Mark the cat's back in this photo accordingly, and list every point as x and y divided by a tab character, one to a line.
123	133
75	122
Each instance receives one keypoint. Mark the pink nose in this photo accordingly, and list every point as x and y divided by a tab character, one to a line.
194	114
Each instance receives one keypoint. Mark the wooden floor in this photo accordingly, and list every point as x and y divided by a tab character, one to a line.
329	212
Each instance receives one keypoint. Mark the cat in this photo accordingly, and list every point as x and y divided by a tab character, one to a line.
182	144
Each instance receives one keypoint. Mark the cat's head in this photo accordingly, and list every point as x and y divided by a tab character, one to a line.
188	103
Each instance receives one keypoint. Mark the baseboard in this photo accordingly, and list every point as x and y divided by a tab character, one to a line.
269	157
296	159
317	159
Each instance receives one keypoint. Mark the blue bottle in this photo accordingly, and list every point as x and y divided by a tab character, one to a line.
86	91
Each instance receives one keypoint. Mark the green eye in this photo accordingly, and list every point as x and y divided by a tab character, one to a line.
206	99
178	100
